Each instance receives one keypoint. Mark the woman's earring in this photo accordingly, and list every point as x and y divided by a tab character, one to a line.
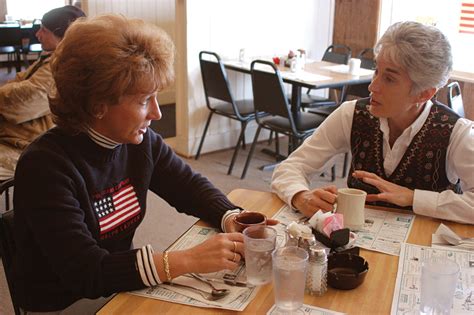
417	106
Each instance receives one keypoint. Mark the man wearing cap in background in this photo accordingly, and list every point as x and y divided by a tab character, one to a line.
24	105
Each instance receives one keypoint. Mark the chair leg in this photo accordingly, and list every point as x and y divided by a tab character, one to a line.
203	135
277	147
244	146
333	173
270	139
292	144
9	62
18	61
237	146
345	165
252	148
26	63
7	199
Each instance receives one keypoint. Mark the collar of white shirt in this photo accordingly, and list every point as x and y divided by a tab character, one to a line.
413	129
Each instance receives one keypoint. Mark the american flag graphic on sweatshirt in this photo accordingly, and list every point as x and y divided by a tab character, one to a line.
116	208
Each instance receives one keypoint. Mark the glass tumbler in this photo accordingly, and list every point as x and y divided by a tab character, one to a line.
289	278
259	242
438	284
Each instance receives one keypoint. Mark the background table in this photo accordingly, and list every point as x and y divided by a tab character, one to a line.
374	296
298	80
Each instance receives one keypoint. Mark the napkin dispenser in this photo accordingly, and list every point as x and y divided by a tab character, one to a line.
337	238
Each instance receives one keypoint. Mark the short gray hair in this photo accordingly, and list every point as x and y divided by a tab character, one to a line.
423	51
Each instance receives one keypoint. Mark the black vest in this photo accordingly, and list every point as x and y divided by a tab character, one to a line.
423	166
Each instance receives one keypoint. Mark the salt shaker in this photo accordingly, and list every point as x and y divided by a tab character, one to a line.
316	279
293	64
242	55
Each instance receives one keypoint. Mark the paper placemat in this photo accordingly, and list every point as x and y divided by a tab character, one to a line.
406	297
307	310
237	300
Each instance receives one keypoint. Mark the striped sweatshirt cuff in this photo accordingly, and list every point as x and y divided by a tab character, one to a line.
146	266
226	215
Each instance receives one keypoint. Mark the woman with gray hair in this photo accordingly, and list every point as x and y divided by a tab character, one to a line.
81	188
407	150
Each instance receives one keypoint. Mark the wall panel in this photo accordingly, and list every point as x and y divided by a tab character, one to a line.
356	23
159	12
263	28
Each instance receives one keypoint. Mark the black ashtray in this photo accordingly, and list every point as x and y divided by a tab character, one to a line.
346	271
338	238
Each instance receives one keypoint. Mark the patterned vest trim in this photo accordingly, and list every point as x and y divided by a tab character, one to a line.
423	166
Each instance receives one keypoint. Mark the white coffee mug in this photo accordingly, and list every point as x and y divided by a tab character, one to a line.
351	204
354	66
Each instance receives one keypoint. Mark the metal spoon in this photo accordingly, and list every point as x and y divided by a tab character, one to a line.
206	281
214	295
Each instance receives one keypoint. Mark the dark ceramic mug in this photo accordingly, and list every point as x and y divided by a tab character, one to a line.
249	218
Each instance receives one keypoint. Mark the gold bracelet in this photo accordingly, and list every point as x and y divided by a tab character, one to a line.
166	266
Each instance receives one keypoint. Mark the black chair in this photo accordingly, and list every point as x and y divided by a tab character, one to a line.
7	242
32	45
455	98
10	44
220	101
335	54
367	61
270	98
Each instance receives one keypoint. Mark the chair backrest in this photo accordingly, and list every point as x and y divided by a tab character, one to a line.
32	33
10	36
268	91
5	187
214	77
367	61
366	57
337	54
455	98
7	242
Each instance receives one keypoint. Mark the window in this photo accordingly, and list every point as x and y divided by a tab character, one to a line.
30	9
452	17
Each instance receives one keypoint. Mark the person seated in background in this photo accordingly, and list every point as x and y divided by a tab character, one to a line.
406	150
24	106
80	188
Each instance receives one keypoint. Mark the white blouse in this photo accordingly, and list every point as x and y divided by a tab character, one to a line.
333	136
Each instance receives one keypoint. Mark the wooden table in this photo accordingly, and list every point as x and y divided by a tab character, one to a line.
314	75
299	80
374	296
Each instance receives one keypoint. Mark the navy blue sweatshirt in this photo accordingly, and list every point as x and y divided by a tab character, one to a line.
77	206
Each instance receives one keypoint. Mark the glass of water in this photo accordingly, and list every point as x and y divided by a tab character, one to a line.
259	241
438	284
289	278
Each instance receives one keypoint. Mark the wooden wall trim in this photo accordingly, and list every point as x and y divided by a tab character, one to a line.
85	6
3	10
356	23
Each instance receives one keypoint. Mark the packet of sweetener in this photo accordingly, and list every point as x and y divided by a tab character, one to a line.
327	222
